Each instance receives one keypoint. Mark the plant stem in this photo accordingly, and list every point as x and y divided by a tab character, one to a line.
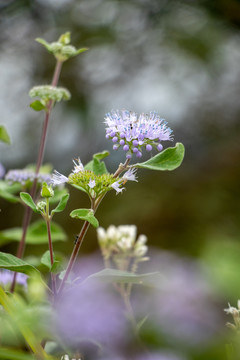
28	211
50	245
84	230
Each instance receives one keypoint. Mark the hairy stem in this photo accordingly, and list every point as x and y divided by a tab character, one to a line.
28	211
84	230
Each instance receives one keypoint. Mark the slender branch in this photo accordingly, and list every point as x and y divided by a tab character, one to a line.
50	245
28	211
84	229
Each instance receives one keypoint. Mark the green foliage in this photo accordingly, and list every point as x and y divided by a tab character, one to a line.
96	165
61	48
37	105
169	159
27	199
85	214
4	137
7	191
36	234
118	276
61	205
10	262
10	354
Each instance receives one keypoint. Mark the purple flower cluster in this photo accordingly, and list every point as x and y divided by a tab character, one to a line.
134	132
25	176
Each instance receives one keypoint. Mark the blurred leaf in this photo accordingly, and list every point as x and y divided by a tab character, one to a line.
9	197
27	199
58	194
36	234
10	354
46	260
169	159
96	165
62	204
85	214
37	105
4	135
11	262
113	275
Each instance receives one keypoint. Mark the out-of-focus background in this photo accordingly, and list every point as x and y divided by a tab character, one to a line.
180	58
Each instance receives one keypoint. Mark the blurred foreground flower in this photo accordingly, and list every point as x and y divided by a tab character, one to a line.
121	248
90	315
6	277
235	312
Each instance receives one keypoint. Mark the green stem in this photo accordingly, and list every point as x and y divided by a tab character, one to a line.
80	238
28	210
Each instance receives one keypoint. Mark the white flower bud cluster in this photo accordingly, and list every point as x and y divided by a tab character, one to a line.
48	92
122	241
235	312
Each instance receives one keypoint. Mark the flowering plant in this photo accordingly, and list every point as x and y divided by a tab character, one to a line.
25	287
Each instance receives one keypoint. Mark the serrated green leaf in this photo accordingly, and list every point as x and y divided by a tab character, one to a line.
27	199
62	204
4	135
85	214
37	105
118	276
36	234
11	262
169	159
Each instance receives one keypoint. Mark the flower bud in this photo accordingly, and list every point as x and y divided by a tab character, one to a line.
46	191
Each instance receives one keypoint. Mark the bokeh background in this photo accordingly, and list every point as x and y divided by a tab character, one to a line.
180	58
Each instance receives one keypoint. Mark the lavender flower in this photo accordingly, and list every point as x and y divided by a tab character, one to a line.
134	133
58	178
130	175
78	166
6	277
92	183
26	176
116	186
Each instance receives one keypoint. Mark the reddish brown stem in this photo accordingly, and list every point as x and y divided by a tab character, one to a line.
53	277
84	229
28	211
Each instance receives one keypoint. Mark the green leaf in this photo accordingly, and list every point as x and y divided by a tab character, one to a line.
11	354
44	43
4	135
27	199
118	276
61	205
169	159
36	234
9	197
37	105
79	51
85	214
46	260
96	165
56	267
58	194
10	262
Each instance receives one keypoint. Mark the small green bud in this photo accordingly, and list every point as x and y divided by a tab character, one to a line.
41	205
65	38
47	191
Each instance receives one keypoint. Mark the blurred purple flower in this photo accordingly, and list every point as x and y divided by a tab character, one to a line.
24	176
182	304
91	312
6	277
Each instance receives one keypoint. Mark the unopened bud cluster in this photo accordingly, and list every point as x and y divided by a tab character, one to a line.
235	312
121	243
48	92
61	49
